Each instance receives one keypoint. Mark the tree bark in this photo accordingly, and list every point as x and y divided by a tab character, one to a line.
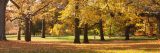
19	34
110	34
30	29
43	28
3	5
27	29
128	31
150	27
76	31
86	34
101	30
158	26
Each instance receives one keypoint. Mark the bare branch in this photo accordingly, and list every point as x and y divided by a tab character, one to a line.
40	9
16	19
18	7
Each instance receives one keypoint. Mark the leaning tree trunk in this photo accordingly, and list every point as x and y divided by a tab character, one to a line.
27	29
86	34
101	30
43	28
3	4
76	31
19	33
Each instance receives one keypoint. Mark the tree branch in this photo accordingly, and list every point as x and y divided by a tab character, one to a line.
16	19
40	9
18	7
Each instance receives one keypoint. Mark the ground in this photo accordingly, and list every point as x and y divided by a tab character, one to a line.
64	45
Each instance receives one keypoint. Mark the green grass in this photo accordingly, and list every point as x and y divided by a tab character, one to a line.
71	38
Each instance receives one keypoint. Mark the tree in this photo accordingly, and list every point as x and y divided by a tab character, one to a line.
84	13
16	16
128	31
156	3
77	31
3	5
26	12
19	31
101	30
150	10
71	11
43	28
86	34
52	12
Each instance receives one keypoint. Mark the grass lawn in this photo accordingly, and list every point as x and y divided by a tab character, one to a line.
64	44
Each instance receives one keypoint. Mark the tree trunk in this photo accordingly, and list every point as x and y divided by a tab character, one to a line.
19	34
145	28
151	30
76	31
27	30
43	28
150	27
158	26
110	34
30	29
86	34
34	33
3	5
127	31
101	30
